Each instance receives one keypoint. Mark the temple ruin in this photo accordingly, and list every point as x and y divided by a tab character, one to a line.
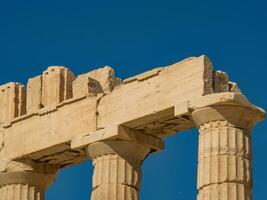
59	119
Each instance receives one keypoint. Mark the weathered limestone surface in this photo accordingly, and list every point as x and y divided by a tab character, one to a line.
150	96
56	85
12	101
224	161
56	112
60	119
26	180
117	163
117	173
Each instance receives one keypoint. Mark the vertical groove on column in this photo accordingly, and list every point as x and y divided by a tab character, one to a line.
224	162
115	178
20	192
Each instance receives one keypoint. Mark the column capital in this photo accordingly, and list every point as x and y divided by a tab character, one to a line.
38	180
28	172
226	107
228	114
117	163
123	148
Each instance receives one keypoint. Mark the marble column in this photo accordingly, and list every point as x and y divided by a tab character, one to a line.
117	169
25	184
225	153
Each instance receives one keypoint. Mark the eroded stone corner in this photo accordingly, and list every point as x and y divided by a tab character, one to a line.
208	75
12	101
56	85
217	81
95	82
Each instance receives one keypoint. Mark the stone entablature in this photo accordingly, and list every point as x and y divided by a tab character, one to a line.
58	120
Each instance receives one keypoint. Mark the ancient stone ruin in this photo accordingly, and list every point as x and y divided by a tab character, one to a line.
59	120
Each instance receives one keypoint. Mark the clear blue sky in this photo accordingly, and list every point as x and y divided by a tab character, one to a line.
132	37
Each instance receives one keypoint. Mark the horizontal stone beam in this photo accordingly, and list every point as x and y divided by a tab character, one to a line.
182	109
58	114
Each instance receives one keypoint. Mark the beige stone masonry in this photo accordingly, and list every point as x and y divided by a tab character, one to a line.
225	151
12	101
99	81
155	104
26	180
34	94
117	163
117	173
56	85
61	119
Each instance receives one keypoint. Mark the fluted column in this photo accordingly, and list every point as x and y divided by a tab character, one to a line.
117	169
25	184
225	153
